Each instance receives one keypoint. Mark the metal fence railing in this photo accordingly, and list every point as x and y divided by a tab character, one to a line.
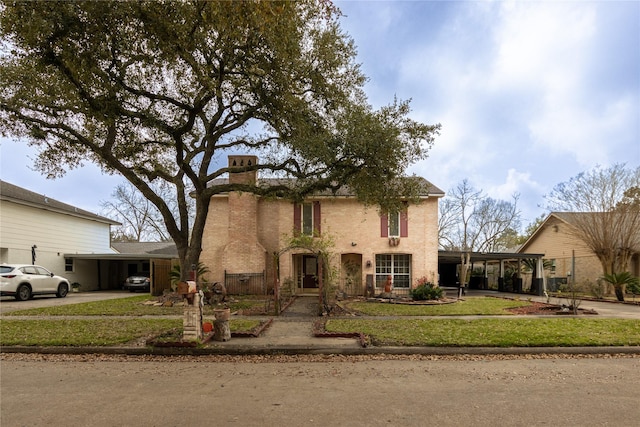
245	283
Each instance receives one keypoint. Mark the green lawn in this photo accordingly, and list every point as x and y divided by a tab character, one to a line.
470	306
491	332
130	306
505	332
95	332
81	332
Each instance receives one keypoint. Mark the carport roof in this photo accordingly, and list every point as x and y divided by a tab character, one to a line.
134	250
113	256
454	257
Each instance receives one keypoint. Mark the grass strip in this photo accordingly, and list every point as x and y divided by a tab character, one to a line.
130	306
94	332
556	332
81	332
468	307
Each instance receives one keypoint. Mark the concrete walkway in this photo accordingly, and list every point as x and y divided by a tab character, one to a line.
291	331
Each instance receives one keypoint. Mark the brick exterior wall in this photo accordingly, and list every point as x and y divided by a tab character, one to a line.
354	229
556	243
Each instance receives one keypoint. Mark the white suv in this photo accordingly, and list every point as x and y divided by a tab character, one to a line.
23	281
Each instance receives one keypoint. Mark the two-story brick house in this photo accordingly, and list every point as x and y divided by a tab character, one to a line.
244	232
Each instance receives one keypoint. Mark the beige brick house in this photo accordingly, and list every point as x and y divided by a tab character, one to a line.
244	232
568	254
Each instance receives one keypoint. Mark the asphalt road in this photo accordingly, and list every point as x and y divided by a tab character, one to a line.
40	390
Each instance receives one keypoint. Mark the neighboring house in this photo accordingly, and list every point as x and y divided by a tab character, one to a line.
245	234
75	243
33	225
568	255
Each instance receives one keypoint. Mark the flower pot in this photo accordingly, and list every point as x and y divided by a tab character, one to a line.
222	314
183	288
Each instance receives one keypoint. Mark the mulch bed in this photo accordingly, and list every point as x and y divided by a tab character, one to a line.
541	308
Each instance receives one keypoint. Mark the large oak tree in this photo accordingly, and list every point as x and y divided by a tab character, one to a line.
164	90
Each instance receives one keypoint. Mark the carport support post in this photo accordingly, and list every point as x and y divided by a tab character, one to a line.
539	286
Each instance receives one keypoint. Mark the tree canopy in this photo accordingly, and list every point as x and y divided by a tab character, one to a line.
163	90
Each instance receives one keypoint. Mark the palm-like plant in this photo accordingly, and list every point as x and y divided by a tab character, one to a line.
620	281
175	273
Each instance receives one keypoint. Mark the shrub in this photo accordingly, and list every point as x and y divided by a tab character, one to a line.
620	281
426	291
634	287
597	289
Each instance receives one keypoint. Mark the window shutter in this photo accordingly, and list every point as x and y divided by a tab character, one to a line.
384	225
297	219
404	223
316	217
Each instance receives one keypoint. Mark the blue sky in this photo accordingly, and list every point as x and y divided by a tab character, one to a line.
529	94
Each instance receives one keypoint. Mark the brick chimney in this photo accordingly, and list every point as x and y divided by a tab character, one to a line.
243	253
239	163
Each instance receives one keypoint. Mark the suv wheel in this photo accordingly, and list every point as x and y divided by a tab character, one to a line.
63	290
23	293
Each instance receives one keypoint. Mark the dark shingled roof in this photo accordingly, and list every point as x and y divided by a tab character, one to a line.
427	188
13	193
146	248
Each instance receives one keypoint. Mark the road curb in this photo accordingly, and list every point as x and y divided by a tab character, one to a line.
320	350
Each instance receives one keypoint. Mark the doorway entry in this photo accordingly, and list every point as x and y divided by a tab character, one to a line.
309	272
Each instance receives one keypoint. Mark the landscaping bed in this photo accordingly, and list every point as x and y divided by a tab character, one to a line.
541	308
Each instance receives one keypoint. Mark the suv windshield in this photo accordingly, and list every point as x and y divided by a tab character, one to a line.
5	269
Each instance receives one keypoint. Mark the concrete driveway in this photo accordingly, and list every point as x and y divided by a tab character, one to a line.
8	304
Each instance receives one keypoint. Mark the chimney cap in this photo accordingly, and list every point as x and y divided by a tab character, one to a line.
242	161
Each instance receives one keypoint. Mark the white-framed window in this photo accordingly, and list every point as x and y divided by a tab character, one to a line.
398	266
307	219
394	224
68	265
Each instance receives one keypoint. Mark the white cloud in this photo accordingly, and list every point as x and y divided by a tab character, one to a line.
542	45
589	137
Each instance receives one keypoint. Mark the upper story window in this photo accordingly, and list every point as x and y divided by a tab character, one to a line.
306	218
394	224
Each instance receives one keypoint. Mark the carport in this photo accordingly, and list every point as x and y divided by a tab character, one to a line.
108	271
495	262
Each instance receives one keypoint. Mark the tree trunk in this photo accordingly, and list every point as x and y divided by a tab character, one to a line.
619	289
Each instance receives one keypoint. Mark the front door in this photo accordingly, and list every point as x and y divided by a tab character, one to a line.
309	272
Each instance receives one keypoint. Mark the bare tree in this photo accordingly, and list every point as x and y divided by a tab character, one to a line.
605	213
470	221
141	220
